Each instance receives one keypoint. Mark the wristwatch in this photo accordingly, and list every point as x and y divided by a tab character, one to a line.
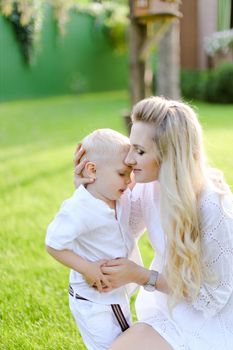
150	286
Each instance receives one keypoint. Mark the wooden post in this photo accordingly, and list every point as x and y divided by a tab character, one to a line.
137	37
163	13
168	72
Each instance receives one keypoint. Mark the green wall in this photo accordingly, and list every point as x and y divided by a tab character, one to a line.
82	61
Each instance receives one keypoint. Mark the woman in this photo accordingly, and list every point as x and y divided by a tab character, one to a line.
187	299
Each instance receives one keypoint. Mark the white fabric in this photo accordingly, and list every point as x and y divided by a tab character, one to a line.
89	227
207	323
97	323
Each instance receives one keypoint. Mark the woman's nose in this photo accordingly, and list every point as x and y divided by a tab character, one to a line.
129	160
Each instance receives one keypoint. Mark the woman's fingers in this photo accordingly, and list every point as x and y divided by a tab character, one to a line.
98	285
109	270
79	146
101	262
78	177
106	282
78	154
111	267
79	168
115	262
82	181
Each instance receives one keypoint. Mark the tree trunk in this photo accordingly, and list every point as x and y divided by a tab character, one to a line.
168	72
137	36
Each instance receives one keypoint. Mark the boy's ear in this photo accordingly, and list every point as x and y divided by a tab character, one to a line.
90	170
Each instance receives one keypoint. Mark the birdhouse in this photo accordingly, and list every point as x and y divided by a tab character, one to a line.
149	10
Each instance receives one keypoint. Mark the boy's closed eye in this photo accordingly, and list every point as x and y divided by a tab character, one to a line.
124	174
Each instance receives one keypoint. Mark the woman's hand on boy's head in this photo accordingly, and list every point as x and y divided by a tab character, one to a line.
78	177
78	154
79	167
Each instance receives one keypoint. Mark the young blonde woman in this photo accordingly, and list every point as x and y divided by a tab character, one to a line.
186	298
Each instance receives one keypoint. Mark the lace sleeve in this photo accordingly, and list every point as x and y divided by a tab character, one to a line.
217	252
136	220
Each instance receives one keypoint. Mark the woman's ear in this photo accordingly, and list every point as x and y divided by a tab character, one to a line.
90	170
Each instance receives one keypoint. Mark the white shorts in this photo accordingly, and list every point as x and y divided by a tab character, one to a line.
97	323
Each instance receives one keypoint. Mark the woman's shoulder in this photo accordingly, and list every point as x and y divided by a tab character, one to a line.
211	197
215	206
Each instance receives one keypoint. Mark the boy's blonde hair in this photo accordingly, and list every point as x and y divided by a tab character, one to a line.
183	175
103	144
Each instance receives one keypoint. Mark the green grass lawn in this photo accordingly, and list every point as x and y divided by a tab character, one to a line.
37	141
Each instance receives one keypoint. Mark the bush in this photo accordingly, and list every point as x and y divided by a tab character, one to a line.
214	85
219	87
193	84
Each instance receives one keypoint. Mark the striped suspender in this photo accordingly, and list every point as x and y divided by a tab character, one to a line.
115	308
120	316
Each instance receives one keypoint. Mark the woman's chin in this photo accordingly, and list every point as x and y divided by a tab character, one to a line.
140	178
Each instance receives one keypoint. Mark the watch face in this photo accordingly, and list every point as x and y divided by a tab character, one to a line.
149	288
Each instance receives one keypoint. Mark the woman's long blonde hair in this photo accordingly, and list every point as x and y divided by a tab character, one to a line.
183	175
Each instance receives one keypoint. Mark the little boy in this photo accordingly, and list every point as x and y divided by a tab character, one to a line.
91	227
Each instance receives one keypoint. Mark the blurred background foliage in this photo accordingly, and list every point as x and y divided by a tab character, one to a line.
55	47
27	17
49	32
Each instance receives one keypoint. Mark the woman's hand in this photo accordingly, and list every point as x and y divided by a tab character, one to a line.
122	271
94	276
79	167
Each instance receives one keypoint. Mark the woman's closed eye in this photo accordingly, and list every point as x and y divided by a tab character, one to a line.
140	152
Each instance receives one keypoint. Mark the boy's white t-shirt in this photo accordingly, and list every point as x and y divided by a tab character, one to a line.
87	226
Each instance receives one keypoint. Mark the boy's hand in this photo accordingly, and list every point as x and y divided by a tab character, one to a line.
94	277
